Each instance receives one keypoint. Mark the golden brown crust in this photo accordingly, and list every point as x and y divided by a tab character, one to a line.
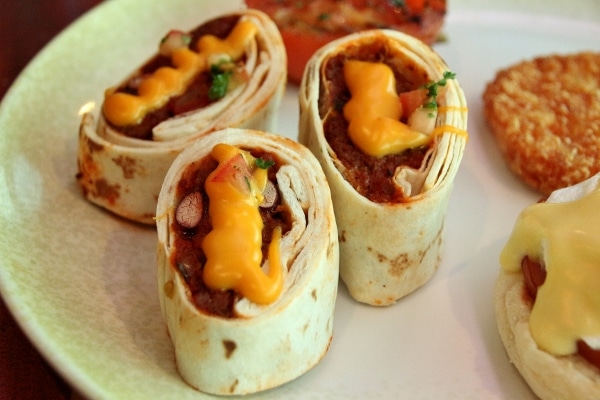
545	115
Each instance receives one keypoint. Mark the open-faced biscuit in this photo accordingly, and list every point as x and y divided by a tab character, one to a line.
546	303
545	115
550	377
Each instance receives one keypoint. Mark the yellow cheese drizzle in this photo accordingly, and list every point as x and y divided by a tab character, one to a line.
233	246
566	237
374	110
440	130
443	109
123	109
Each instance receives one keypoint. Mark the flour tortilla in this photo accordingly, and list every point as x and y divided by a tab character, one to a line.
272	344
124	175
389	250
550	377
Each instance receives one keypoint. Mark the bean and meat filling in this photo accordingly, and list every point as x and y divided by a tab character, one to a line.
370	176
195	96
190	231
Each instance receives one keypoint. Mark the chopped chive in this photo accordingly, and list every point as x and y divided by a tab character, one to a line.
220	82
432	88
264	164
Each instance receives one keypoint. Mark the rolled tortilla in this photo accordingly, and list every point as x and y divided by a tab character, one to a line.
388	249
257	347
124	174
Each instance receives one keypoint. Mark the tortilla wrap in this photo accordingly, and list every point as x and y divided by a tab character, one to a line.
125	174
262	346
387	250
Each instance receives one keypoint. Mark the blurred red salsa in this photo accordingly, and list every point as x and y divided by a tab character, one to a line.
308	25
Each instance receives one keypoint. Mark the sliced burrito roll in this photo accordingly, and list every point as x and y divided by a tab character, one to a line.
386	119
228	72
247	261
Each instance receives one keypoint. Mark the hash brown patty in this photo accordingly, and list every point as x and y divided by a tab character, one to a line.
545	116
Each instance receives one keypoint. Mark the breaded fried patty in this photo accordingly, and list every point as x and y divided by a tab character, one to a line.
545	116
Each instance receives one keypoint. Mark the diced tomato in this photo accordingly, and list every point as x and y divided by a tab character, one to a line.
300	47
412	100
234	171
416	7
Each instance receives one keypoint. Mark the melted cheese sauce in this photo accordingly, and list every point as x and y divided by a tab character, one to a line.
123	109
374	112
566	237
233	247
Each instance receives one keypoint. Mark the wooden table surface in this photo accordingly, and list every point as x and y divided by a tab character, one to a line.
25	27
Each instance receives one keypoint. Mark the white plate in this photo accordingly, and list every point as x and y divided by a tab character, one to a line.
81	282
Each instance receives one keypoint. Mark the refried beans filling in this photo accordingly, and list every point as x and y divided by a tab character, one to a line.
196	94
188	255
370	176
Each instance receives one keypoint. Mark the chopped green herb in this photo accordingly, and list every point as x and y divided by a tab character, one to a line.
247	180
431	104
220	82
323	17
432	89
264	164
397	3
